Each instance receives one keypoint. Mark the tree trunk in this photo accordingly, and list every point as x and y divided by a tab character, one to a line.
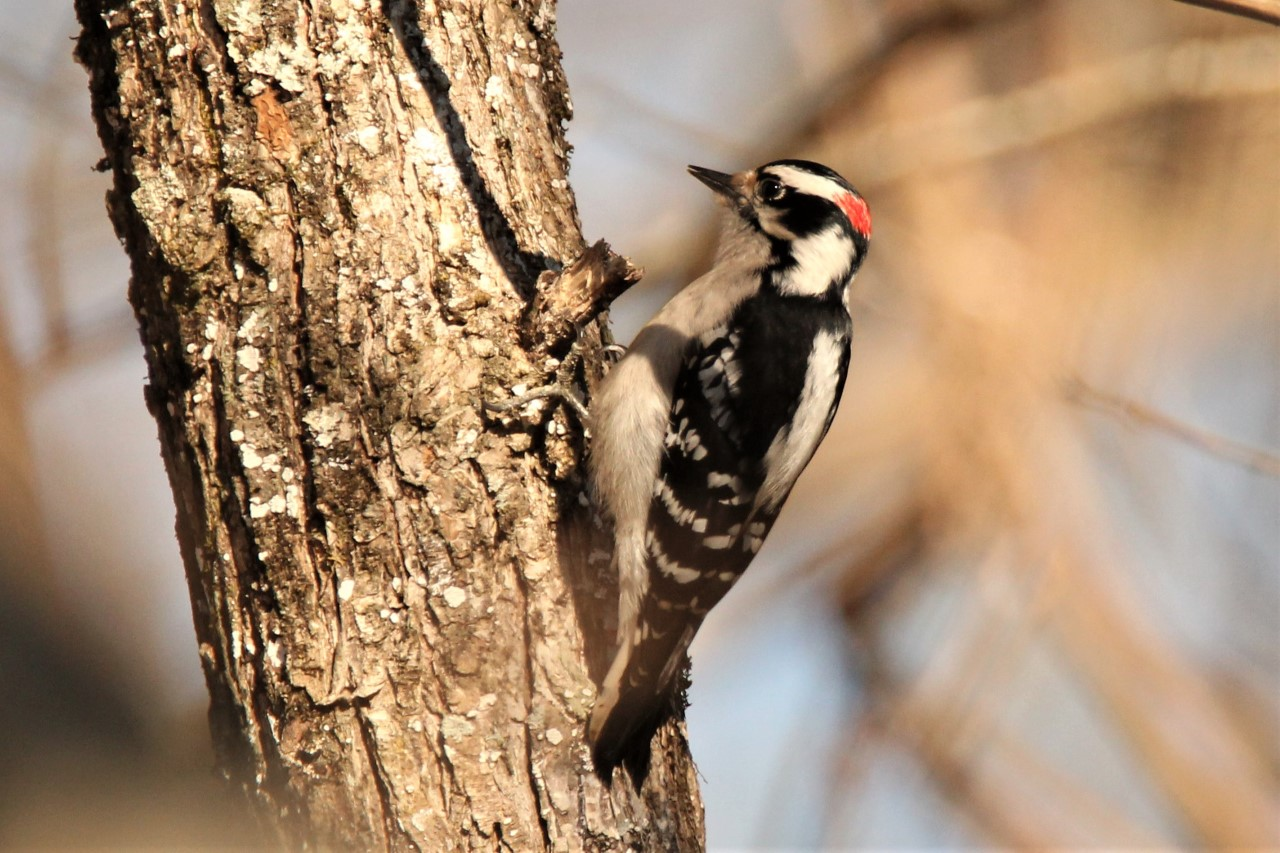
337	214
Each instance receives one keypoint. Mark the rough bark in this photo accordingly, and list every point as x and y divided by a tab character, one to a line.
337	214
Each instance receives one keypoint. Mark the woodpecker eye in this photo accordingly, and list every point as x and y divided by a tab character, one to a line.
771	189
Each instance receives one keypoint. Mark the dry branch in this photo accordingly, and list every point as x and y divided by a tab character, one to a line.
1259	10
1188	742
1262	461
995	125
576	295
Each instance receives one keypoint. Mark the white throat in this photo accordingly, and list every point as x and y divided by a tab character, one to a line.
820	260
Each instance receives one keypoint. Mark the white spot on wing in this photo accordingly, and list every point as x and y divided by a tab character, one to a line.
671	568
680	514
716	479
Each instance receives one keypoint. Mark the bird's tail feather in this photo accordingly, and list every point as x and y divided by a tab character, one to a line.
635	697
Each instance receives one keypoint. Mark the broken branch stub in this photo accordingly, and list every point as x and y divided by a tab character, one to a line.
567	300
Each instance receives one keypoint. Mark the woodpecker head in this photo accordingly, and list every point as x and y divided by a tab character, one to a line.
817	225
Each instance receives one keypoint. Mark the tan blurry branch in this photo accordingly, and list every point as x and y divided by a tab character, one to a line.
1259	10
1257	459
991	126
1193	70
953	712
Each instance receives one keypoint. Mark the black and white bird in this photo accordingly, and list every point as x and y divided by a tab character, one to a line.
702	428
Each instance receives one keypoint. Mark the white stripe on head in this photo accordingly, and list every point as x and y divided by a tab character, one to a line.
807	182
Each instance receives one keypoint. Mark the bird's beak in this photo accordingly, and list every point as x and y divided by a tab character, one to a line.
720	182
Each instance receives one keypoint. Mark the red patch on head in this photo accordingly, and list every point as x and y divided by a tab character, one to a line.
857	211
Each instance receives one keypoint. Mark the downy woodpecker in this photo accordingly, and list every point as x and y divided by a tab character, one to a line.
702	428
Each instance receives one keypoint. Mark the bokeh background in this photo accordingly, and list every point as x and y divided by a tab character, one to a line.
1028	593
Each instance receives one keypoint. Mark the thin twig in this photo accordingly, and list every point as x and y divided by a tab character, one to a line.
1259	10
1257	459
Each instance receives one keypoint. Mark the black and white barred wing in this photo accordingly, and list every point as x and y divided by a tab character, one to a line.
727	468
720	488
706	487
702	499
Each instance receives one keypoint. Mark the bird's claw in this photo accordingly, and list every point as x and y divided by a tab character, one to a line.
560	389
540	393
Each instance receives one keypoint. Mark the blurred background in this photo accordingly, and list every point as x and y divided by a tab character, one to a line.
1028	593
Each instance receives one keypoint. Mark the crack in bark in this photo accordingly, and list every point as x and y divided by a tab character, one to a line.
386	801
537	786
520	267
323	572
218	36
298	369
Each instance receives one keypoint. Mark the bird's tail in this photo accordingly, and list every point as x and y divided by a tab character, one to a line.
636	696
